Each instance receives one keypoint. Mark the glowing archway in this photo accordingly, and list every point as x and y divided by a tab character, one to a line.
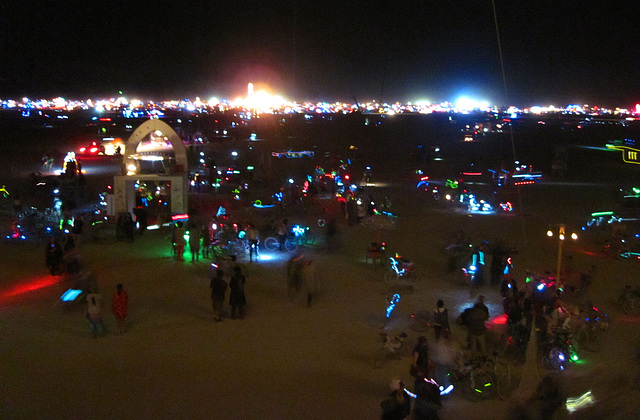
151	126
124	193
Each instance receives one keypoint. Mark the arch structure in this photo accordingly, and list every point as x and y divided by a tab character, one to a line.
124	185
149	127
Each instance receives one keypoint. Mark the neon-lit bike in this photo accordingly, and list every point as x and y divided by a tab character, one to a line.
590	334
558	353
271	243
299	236
476	380
506	381
382	321
401	269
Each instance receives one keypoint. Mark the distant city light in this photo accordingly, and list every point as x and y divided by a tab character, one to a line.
262	100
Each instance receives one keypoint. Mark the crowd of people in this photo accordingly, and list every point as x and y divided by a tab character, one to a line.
434	363
431	363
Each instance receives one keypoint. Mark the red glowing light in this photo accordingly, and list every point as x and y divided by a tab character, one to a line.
36	284
500	320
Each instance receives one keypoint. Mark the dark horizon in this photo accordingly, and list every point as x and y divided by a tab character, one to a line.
560	54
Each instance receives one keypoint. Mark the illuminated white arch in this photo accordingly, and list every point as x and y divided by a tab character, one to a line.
124	197
151	126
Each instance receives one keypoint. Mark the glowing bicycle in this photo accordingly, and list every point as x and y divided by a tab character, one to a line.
401	270
272	243
299	236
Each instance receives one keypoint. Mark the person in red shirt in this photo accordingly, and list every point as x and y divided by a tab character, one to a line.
120	307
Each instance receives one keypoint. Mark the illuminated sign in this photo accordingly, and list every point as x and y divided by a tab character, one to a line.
629	155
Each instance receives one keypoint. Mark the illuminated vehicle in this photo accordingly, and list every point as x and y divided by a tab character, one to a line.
524	174
92	149
112	146
108	146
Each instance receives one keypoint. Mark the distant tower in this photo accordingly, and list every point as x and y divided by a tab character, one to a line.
250	89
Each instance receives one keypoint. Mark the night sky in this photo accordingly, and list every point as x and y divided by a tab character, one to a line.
554	52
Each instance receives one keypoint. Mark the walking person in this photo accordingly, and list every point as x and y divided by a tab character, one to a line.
53	256
397	405
178	240
420	363
120	307
427	401
509	292
206	242
194	244
94	314
476	318
440	319
142	217
237	299
252	237
218	290
447	357
294	275
309	280
283	231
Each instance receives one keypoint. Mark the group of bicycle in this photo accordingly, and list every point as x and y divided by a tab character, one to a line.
223	237
563	326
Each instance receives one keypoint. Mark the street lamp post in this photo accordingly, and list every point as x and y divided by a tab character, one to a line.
561	238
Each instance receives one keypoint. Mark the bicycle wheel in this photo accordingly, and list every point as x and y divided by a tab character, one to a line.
506	385
380	357
271	244
505	348
573	349
390	277
291	245
478	386
548	364
631	306
590	340
309	238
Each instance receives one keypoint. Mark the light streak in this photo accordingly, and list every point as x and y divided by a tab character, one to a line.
582	401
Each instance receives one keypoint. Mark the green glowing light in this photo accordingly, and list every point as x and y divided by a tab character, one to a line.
602	213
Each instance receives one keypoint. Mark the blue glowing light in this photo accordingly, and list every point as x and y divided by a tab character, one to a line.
392	304
70	295
446	390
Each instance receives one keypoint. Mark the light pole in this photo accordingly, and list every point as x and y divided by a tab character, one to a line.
561	238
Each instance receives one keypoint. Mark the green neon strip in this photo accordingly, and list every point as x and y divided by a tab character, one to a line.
602	213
